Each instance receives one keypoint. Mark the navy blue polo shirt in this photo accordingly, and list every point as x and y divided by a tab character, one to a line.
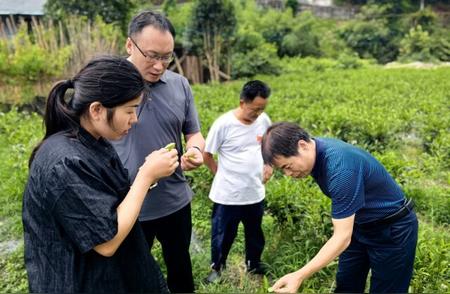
355	181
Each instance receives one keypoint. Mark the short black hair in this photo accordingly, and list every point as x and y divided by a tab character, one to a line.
150	18
281	139
253	89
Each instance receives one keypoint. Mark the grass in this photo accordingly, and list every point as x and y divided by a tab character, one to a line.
400	115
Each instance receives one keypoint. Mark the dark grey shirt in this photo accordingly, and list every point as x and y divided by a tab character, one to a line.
69	206
166	112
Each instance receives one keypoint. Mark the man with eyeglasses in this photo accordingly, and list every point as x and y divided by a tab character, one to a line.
166	113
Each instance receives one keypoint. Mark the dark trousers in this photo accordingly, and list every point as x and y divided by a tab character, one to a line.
389	253
225	223
174	234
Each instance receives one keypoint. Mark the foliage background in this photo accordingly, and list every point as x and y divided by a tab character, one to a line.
400	115
326	75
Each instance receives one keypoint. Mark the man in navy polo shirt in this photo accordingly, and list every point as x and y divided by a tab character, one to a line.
374	225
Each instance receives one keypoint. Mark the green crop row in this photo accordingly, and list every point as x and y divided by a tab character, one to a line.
402	116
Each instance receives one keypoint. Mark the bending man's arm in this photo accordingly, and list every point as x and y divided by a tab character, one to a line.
340	240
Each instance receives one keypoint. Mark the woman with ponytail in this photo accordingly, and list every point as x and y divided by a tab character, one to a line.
79	208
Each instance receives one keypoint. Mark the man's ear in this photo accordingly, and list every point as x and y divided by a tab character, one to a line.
302	145
128	46
96	111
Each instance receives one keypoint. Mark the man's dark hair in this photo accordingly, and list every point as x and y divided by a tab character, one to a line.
253	89
281	139
150	18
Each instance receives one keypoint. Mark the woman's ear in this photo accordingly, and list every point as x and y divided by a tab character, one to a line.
97	111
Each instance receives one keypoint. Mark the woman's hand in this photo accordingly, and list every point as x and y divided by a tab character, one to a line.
159	164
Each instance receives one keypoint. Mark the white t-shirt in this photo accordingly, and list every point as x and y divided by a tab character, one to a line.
238	180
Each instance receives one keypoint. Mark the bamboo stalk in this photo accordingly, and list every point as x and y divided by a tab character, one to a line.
38	31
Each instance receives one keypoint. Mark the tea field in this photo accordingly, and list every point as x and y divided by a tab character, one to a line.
401	115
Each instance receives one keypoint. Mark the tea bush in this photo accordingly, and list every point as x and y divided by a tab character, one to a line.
19	133
401	116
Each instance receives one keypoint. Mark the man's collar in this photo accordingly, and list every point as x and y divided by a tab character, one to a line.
162	79
319	157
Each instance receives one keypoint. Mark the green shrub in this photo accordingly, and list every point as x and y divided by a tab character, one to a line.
441	44
19	133
425	18
13	277
260	60
400	115
416	46
431	270
370	35
304	39
111	11
179	16
27	60
247	39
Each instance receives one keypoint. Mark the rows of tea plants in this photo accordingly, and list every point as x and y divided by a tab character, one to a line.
402	116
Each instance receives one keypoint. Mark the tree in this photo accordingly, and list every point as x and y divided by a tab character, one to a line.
111	11
212	27
293	4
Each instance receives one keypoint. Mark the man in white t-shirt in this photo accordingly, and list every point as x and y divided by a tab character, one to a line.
238	187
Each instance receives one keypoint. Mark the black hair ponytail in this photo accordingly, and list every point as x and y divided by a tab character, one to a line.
110	80
58	116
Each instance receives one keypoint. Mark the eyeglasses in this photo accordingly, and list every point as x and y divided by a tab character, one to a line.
153	58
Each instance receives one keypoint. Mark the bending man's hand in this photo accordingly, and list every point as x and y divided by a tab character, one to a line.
288	283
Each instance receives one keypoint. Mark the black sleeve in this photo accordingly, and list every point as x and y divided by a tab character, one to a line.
84	205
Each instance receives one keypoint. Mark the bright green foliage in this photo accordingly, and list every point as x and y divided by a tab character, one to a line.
211	28
380	31
400	115
261	59
273	25
431	268
211	21
416	45
304	39
293	5
441	44
179	16
22	58
19	133
395	6
169	5
51	51
369	34
13	277
426	18
111	11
